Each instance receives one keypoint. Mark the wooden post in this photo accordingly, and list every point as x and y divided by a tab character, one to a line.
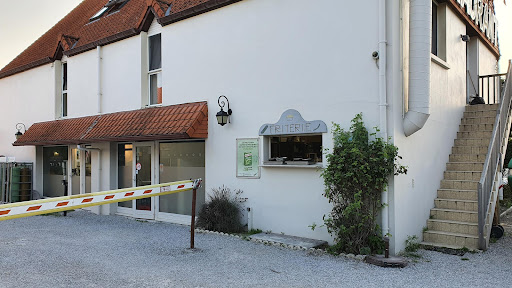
193	221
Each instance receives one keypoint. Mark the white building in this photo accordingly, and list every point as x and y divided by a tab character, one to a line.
98	94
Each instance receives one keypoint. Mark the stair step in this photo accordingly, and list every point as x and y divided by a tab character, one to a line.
473	142
459	184
453	239
470	150
475	127
486	134
467	157
457	194
456	204
463	175
453	227
478	120
444	246
488	113
482	107
464	166
454	215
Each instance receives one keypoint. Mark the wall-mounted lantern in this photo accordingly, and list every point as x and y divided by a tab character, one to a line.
223	116
20	126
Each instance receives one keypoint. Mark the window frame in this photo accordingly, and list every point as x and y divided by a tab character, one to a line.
434	47
267	155
153	72
64	90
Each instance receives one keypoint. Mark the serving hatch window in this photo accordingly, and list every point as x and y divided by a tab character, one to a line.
296	149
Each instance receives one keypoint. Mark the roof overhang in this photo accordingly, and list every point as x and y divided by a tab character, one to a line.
184	121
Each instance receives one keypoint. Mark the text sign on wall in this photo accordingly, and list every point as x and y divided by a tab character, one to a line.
247	158
483	15
291	122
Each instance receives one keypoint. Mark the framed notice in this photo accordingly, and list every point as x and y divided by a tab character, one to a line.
247	158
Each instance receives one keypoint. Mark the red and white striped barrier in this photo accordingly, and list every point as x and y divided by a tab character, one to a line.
50	205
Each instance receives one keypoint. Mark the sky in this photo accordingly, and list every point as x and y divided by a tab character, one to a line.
40	15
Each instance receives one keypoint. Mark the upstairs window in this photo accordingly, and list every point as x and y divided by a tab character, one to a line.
155	69
433	49
109	8
64	94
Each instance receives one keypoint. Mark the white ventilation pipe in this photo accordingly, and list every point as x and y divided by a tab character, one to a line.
420	33
383	103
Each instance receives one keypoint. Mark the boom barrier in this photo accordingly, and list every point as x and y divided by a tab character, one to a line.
66	203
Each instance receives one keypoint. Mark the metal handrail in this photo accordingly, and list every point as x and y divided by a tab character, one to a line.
493	161
491	96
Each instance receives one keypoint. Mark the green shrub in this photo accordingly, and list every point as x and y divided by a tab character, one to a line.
221	212
412	244
357	172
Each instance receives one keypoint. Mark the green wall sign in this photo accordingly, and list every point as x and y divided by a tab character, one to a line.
247	158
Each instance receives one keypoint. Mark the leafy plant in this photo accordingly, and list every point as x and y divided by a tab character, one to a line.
221	212
412	244
357	172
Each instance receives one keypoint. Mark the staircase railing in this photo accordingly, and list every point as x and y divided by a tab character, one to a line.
493	163
490	87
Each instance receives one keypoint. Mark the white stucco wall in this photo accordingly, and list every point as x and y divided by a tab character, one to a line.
121	75
488	64
26	98
265	63
82	99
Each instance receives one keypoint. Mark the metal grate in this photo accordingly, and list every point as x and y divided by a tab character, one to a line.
16	182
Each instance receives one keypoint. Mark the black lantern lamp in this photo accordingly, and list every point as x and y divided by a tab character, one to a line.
223	116
19	126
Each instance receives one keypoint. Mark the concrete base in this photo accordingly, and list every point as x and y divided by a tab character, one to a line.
289	240
392	261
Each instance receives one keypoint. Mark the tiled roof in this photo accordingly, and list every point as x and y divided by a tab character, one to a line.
75	33
182	121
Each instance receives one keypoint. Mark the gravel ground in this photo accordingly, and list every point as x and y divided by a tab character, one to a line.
86	250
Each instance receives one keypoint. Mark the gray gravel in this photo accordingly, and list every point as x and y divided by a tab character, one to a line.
86	250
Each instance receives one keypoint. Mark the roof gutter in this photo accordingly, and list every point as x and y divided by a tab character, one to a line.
419	66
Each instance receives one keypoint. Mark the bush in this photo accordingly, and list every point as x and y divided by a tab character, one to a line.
221	212
357	171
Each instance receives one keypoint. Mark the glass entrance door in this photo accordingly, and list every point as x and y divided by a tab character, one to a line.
143	176
135	169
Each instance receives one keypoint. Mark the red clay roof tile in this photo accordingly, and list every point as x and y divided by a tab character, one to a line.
136	125
82	35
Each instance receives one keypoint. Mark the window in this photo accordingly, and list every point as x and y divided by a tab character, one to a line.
64	95
155	69
99	14
112	6
295	150
433	49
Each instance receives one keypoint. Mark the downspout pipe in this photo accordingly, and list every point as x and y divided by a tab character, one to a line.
98	74
383	102
420	33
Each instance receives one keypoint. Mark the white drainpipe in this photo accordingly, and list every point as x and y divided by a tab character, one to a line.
419	65
383	102
98	50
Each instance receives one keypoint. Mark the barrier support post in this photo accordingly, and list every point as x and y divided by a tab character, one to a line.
193	221
197	183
